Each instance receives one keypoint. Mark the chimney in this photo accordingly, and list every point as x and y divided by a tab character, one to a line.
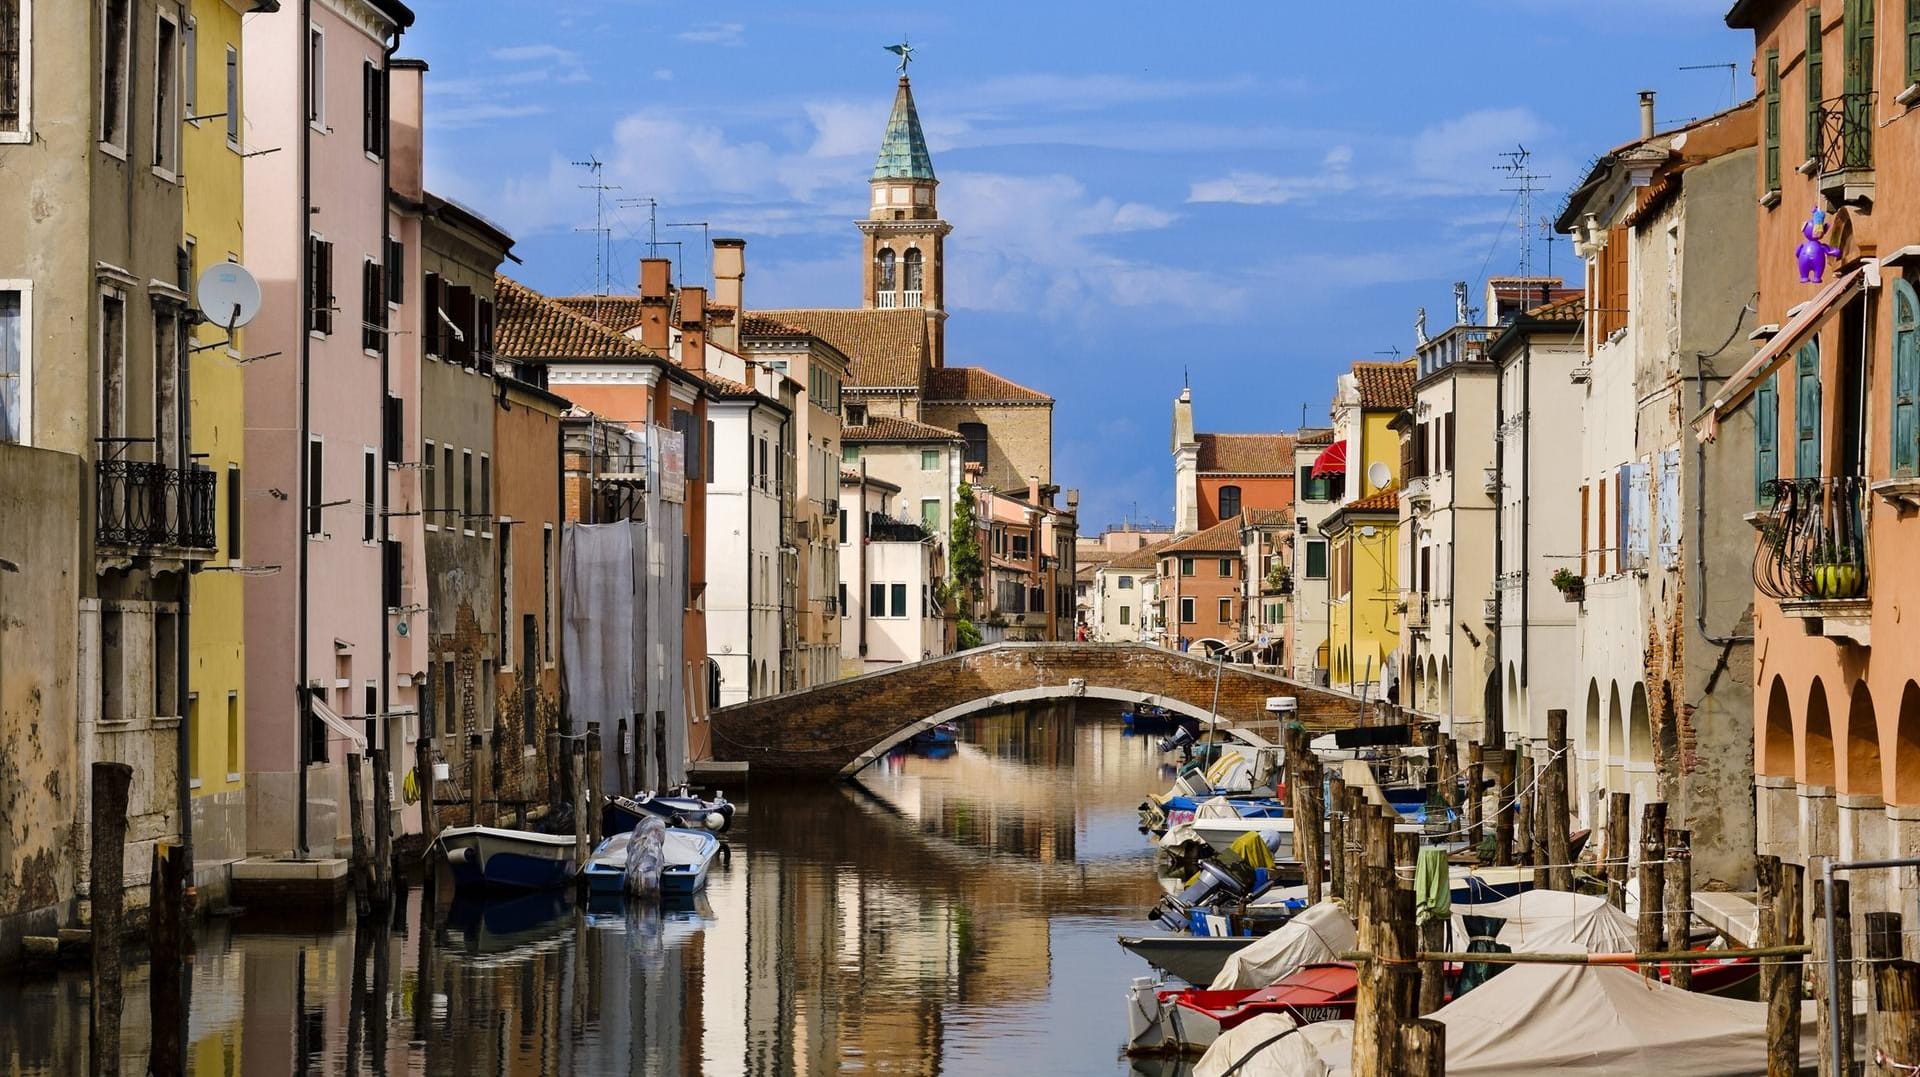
729	280
1073	500
1646	113
693	329
1033	490
655	302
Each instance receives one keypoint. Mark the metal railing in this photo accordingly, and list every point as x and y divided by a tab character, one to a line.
144	504
1846	132
887	529
1813	540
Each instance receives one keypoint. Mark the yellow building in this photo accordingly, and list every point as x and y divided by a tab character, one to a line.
211	146
1364	599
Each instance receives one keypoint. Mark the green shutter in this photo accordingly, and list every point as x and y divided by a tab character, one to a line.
1906	380
1815	84
1766	439
1806	412
1773	120
1913	42
1857	128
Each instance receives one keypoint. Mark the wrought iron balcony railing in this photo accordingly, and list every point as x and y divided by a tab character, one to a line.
1813	540
1846	133
142	504
887	529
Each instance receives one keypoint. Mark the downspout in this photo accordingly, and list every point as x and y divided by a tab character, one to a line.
860	516
1526	510
751	477
379	723
1497	705
1453	570
304	225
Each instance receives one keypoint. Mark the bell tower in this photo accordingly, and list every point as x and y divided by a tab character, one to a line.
903	239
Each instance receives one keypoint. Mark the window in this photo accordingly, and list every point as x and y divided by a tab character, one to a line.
373	308
1913	42
233	97
1906	356
373	109
898	593
450	697
166	102
843	599
1126	615
546	591
1806	411
234	504
16	376
876	600
1226	611
843	528
169	447
16	69
319	285
910	269
1125	583
1229	502
506	596
1766	442
113	364
849	454
1815	83
1186	566
1037	599
486	494
1772	140
233	735
1857	34
856	415
395	272
1316	559
708	449
1226	568
370	496
1021	547
115	58
316	473
976	438
316	77
929	459
1186	611
930	514
466	490
883	276
760	476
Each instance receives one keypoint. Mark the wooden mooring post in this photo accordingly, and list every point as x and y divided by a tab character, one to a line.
106	894
1305	789
1766	873
1504	806
382	829
1783	1000
1423	1048
1337	837
356	817
1679	902
1619	856
1837	987
1388	986
596	785
1475	794
580	825
1653	882
1554	817
1525	785
474	775
166	1004
423	778
1896	994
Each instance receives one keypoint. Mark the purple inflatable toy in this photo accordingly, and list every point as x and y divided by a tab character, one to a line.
1813	254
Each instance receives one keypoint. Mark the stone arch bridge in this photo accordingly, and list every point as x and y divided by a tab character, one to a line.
840	727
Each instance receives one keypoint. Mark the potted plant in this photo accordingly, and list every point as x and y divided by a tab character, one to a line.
1571	585
1279	579
1834	573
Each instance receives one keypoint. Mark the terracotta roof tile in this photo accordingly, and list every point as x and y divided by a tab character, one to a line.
1573	308
617	312
727	386
1310	438
1224	535
887	348
887	428
978	385
1143	559
529	325
1378	501
1385	386
756	324
1269	517
1246	454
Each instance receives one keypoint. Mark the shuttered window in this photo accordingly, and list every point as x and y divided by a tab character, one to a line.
1815	83
1766	439
1913	42
1613	282
319	285
430	326
373	307
1771	89
1585	526
12	88
1806	412
1906	380
373	112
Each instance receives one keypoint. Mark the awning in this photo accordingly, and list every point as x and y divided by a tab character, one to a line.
1331	461
1771	357
340	726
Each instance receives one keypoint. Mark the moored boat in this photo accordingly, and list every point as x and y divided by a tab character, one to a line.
498	858
622	814
687	856
1188	1020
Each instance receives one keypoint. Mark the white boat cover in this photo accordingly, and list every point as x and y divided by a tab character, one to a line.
1554	921
1597	1020
1320	933
1300	1054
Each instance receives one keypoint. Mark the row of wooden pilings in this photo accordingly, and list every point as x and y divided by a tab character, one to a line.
1369	866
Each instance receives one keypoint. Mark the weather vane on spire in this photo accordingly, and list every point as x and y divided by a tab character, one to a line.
902	50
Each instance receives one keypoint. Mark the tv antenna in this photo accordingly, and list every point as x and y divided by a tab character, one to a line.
706	244
1547	232
602	235
1523	180
653	220
1733	77
1391	351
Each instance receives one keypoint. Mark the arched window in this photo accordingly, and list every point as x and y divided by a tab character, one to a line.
1906	380
1229	502
885	266
912	260
1806	412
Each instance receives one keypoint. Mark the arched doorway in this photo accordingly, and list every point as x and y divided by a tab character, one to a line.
1592	751
1776	738
1906	748
1640	748
1512	721
1446	687
1863	745
1616	741
1816	753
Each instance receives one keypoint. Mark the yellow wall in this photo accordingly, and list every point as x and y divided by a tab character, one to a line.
1364	623
1378	444
214	184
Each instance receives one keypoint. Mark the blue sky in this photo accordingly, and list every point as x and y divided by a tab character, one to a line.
1253	197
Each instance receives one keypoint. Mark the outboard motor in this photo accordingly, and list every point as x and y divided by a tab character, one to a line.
1212	885
1180	740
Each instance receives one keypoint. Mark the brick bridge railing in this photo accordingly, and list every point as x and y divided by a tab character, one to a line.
839	727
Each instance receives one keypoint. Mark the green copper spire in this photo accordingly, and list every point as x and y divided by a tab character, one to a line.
903	152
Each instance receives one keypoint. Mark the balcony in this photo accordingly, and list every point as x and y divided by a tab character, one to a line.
1846	149
1812	554
887	529
886	300
1416	613
145	505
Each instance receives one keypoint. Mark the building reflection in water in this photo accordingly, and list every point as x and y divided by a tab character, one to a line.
953	913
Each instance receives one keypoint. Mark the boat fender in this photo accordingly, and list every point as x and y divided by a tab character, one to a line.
462	855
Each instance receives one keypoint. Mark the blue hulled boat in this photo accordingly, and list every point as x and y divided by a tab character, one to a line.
496	858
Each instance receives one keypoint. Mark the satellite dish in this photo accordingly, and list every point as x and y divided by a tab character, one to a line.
227	294
1379	475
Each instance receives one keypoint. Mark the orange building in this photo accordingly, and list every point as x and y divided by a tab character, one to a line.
1200	599
1833	398
1216	476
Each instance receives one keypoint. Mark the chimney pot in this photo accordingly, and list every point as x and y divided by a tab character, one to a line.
1646	113
1033	489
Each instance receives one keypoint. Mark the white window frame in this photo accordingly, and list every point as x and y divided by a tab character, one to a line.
107	146
24	133
466	493
189	69
432	462
315	91
25	288
233	98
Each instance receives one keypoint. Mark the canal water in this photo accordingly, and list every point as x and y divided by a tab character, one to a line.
955	913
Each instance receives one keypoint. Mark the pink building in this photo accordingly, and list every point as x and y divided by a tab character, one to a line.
316	226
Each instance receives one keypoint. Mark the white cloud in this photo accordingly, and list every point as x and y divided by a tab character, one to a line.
556	63
714	33
663	74
475	114
1260	189
1458	152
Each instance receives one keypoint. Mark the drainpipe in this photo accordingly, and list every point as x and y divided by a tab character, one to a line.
382	720
860	554
1497	705
1526	511
303	715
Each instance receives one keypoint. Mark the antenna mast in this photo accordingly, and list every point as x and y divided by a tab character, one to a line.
1522	180
602	235
653	220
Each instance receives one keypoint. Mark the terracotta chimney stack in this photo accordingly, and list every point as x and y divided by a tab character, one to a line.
1646	113
1033	490
693	329
655	302
729	289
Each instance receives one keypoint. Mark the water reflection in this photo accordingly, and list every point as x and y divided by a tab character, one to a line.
948	915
